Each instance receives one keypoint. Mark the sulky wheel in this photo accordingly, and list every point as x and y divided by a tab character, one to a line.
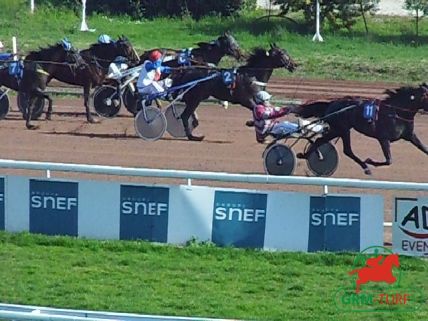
22	103
130	100
279	159
4	104
150	123
174	123
106	101
324	160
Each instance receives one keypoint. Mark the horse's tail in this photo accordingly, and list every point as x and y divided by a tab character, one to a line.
311	109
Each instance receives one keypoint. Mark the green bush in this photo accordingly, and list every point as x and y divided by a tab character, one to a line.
139	9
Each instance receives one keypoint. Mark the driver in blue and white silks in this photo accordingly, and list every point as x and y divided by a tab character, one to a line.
149	82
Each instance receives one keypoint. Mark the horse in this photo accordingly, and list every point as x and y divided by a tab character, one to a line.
393	121
207	52
242	86
87	68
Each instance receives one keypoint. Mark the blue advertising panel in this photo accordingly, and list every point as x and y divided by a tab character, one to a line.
53	207
144	213
334	223
2	223
239	219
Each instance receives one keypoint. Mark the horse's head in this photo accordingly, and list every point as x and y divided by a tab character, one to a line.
409	98
124	48
280	58
229	45
393	260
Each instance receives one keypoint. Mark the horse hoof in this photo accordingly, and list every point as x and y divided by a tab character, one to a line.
33	127
368	161
48	117
249	123
196	138
94	121
300	155
367	171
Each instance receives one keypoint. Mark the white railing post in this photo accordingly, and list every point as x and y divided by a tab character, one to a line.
14	48
84	26
317	36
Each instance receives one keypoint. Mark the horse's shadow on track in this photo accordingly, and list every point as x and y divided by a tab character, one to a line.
131	136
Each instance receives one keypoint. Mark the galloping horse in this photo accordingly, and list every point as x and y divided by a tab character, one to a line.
393	121
207	52
242	86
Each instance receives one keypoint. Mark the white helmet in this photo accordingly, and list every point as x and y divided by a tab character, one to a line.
1	45
104	39
262	96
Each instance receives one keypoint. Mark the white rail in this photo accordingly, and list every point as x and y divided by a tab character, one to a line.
212	176
27	312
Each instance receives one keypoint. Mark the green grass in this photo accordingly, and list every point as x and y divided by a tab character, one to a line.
195	280
389	53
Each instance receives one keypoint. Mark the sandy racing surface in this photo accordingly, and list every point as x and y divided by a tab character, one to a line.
229	145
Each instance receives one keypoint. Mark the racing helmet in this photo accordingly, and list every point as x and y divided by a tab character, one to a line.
1	45
155	55
104	39
262	96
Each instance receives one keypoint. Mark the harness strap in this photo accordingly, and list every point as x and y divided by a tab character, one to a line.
41	71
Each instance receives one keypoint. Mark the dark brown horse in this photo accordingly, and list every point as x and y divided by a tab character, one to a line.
242	86
206	52
394	120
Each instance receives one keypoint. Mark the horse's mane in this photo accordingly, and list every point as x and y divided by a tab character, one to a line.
255	56
43	50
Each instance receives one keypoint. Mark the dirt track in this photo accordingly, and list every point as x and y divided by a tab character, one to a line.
229	145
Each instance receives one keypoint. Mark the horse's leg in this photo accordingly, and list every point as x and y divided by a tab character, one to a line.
195	122
30	108
347	150
417	142
49	112
86	94
386	149
190	110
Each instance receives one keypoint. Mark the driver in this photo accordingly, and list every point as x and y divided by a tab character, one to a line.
264	114
149	82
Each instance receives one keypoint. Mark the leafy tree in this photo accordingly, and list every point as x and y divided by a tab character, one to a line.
338	13
420	8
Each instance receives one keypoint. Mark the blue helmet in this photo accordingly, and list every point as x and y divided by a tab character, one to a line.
104	39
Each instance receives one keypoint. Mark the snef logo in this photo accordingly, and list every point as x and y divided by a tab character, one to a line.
53	207
374	284
53	200
410	229
239	219
333	217
334	223
238	212
143	206
144	213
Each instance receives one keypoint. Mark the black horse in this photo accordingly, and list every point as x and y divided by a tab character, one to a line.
87	69
207	52
394	120
241	87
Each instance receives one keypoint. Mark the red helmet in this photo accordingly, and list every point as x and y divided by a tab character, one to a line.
155	55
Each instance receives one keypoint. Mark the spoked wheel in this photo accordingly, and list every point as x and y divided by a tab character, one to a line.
4	104
130	101
324	160
22	103
150	123
279	159
106	101
174	123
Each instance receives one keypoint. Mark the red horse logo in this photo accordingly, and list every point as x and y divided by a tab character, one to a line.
377	270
